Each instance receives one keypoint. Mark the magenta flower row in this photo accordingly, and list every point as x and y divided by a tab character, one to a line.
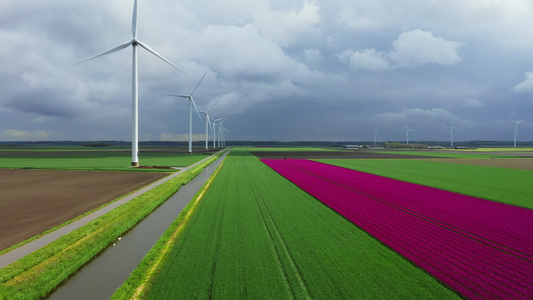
481	249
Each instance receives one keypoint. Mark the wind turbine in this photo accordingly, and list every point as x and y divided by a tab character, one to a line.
407	134
451	134
214	129
375	131
207	123
516	130
191	104
220	131
224	130
135	81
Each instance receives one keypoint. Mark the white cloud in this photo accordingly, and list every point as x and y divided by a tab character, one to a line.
368	59
359	19
412	48
525	86
418	47
312	56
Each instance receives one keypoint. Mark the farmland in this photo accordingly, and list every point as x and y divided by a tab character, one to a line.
480	248
511	186
36	274
100	159
256	235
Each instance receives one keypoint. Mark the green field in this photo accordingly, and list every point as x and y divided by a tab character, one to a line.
288	149
458	154
94	160
510	186
257	236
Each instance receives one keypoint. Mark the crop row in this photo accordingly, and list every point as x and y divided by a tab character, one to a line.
255	235
481	249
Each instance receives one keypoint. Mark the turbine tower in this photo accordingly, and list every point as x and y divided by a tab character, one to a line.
407	134
207	123
516	130
191	104
214	130
135	81
451	134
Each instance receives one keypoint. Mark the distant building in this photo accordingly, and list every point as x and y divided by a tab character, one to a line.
352	146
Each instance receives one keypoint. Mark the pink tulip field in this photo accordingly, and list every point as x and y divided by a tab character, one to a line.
479	248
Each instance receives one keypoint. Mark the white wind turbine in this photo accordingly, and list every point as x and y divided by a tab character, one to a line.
191	104
220	131
214	130
516	130
207	123
135	81
407	134
451	134
375	132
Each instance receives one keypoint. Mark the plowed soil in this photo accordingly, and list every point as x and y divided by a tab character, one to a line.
33	201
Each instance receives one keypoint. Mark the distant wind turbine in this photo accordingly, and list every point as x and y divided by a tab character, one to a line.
207	123
516	130
407	134
451	134
214	130
191	104
220	131
135	81
375	131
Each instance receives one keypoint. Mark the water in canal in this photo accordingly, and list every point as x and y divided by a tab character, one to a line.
104	274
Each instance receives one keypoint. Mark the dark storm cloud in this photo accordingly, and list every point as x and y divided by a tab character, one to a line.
280	70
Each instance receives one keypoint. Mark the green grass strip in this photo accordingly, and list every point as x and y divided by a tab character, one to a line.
39	273
458	154
504	185
255	235
98	160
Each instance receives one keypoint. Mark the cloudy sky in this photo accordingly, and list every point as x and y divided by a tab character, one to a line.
280	70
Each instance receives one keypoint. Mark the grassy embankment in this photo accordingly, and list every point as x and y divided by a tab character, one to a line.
96	160
509	186
37	274
255	235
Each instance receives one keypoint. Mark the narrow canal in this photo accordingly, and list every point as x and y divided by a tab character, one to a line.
105	273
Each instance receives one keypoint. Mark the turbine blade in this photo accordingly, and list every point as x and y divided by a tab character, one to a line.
198	84
174	95
134	20
196	108
149	49
114	49
218	99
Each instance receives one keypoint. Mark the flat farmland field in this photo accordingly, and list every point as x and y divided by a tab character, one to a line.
256	235
480	248
98	159
502	180
43	187
33	201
